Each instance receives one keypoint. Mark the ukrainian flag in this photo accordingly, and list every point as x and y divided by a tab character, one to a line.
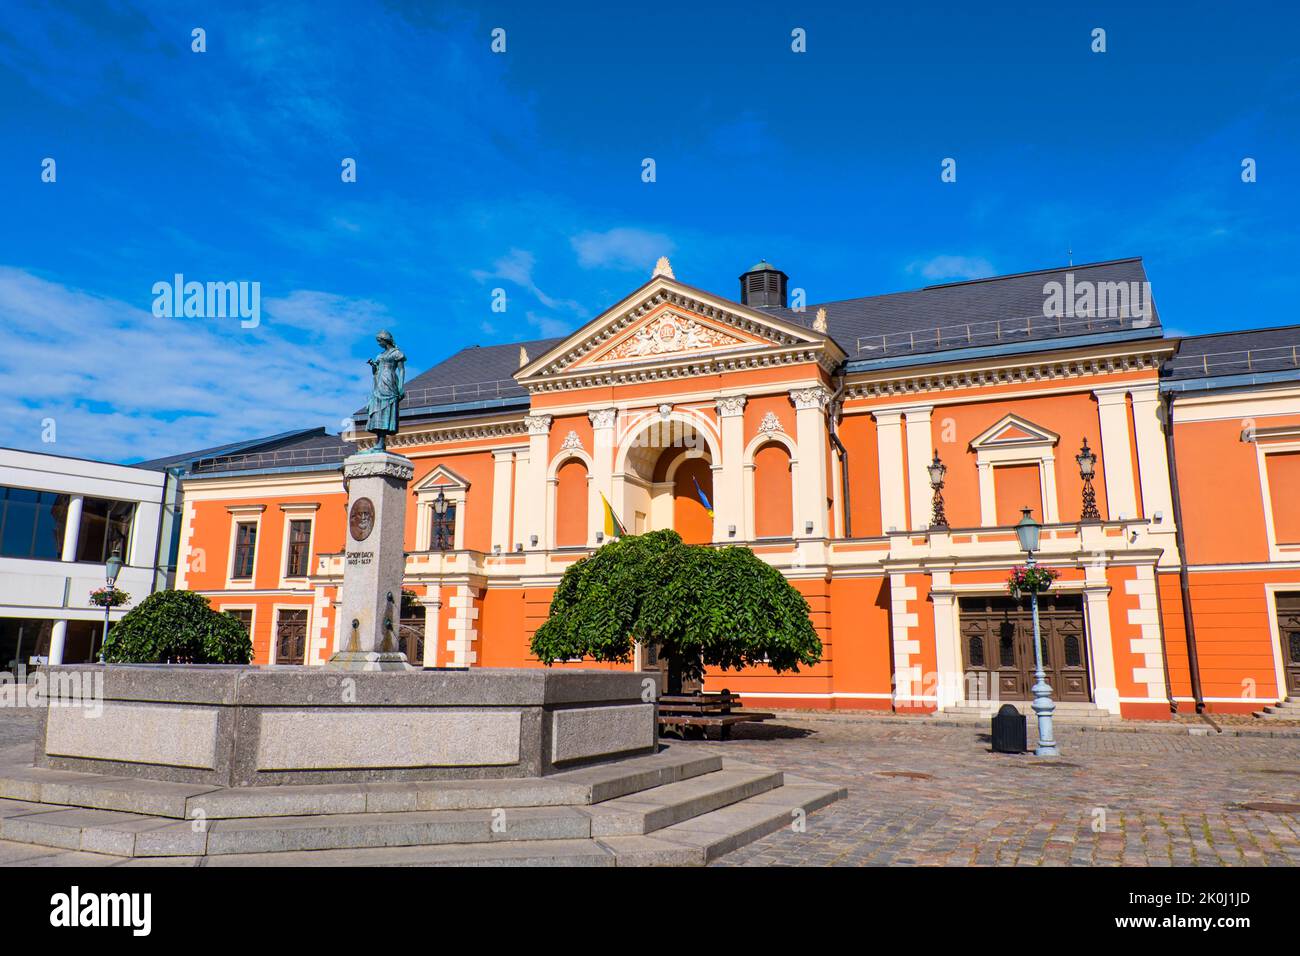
704	499
613	527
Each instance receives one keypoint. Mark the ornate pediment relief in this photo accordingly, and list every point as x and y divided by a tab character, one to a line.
669	333
667	329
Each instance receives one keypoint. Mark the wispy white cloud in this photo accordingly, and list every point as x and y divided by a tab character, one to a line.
121	384
945	268
516	267
630	249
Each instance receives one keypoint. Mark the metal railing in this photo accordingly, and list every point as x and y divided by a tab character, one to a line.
995	331
472	392
286	458
1276	359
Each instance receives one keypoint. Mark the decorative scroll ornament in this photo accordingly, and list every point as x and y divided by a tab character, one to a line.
669	334
378	464
571	440
770	424
665	410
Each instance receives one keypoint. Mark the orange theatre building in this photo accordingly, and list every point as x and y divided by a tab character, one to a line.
814	436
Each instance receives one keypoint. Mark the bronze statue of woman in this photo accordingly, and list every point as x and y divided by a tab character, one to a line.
388	369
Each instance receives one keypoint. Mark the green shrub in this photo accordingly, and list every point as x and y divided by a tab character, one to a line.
701	606
177	627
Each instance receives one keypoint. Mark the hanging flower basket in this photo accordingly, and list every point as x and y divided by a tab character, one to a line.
1030	580
103	597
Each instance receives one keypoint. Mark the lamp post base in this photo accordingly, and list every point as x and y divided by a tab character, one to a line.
1043	707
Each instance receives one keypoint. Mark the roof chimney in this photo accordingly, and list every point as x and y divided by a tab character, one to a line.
764	286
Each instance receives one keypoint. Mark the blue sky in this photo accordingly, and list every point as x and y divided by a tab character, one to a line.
522	171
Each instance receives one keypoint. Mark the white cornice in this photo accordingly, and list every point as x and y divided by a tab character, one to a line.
1005	371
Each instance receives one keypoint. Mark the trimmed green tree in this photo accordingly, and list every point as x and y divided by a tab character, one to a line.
699	606
177	627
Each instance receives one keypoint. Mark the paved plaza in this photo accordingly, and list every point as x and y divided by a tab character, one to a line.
921	793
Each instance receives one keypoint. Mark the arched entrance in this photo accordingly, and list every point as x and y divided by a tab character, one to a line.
664	479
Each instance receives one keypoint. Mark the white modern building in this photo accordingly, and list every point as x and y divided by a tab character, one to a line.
60	520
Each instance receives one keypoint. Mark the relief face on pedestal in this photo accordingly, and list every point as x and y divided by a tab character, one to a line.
668	334
361	519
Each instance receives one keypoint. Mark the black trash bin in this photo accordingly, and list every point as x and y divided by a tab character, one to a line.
1010	731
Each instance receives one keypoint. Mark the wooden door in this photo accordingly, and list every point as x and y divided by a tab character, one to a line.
1288	629
290	636
997	637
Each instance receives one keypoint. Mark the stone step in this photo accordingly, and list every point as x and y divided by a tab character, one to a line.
713	834
1070	712
1287	709
660	807
180	801
726	829
682	822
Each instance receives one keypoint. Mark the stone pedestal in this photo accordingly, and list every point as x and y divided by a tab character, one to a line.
374	563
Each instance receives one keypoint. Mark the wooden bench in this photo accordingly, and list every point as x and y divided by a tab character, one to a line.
686	712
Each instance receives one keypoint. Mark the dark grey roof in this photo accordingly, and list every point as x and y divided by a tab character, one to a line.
311	448
999	311
479	376
1249	352
247	445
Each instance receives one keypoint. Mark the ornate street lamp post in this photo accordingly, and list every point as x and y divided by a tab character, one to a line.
937	469
112	568
1027	531
1087	468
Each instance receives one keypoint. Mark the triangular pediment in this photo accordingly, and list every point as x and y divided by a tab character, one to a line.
1012	430
441	477
667	323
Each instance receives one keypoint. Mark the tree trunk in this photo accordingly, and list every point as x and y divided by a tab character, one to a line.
674	676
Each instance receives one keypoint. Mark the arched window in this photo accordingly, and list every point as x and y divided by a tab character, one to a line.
571	504
692	487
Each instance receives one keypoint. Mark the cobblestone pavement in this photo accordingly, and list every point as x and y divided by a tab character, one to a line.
1110	799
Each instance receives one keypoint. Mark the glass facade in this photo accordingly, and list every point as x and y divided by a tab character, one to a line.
31	523
105	527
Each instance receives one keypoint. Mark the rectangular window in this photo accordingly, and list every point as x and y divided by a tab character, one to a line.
245	549
31	523
444	530
299	549
105	528
1284	495
244	615
1016	487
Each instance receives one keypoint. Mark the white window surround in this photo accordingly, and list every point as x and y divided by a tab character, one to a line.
1277	551
1034	447
274	646
243	514
1271	592
252	614
297	511
1101	662
595	515
751	495
454	488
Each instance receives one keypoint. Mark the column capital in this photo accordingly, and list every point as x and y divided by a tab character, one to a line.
731	406
538	424
602	417
816	397
1111	394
